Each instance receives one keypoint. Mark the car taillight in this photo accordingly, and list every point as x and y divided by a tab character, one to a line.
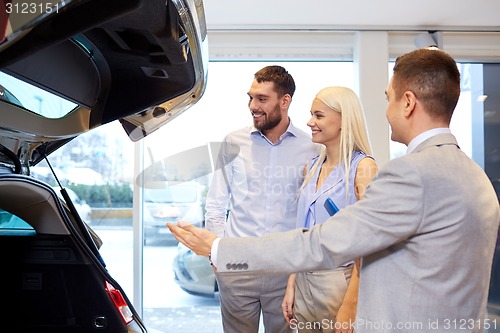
119	302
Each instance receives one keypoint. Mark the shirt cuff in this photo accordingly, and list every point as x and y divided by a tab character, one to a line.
213	251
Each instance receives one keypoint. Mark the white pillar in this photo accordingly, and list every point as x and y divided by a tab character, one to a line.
371	59
137	227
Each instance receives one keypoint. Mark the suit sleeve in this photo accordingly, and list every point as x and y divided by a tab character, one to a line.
390	212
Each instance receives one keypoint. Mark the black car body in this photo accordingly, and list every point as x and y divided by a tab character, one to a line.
138	62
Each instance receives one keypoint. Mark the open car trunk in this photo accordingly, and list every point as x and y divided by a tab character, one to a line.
137	61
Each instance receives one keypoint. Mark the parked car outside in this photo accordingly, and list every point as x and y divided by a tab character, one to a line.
193	273
171	201
72	67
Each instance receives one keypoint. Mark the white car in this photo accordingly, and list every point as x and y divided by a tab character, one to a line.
193	273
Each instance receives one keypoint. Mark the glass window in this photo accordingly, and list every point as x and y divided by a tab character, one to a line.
32	98
15	226
486	137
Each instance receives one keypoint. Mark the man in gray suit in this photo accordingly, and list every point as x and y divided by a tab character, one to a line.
425	230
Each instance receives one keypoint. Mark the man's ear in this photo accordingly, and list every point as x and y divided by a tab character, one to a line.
410	101
286	100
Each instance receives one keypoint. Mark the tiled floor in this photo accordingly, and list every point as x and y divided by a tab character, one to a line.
204	319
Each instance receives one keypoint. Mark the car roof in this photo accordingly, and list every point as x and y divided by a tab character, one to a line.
141	62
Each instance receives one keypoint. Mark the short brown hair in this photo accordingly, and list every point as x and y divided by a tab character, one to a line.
283	81
433	76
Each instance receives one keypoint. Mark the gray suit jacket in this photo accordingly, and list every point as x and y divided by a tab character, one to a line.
426	230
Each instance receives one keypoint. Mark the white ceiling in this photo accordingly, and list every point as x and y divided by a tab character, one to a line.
392	15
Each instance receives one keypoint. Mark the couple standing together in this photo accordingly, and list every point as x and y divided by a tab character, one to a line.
273	177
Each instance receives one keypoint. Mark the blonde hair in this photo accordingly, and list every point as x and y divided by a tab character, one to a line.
354	134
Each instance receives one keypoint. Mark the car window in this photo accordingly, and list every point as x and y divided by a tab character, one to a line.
33	98
13	225
6	95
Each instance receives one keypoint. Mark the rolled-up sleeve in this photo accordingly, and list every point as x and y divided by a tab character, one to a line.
219	194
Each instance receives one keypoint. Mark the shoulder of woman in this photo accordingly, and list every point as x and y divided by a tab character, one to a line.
368	165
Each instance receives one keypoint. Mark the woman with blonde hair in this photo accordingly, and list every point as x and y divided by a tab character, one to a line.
325	301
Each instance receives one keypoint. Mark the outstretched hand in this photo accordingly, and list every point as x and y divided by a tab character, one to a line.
197	239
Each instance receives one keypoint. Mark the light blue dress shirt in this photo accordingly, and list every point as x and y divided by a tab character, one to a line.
256	183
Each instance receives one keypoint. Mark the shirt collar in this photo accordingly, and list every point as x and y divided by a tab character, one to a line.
424	136
290	131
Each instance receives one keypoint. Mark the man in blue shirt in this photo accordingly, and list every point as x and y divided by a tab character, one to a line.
259	175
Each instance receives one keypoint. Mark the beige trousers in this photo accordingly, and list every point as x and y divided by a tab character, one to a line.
243	297
318	297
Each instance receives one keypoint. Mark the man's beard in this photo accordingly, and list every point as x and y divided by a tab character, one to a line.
272	120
